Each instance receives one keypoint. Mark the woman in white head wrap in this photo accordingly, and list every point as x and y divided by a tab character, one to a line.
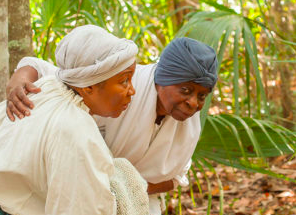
63	166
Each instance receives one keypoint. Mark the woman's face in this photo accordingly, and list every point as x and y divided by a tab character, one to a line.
111	97
181	101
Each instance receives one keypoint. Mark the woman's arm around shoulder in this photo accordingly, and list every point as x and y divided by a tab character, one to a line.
28	71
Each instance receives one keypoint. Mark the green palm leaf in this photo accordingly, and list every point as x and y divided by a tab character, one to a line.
243	142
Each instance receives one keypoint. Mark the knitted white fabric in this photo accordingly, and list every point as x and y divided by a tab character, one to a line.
129	188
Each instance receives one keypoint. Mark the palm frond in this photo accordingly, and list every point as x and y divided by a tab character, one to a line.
244	142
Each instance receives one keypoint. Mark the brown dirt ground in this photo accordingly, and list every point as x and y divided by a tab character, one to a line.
244	193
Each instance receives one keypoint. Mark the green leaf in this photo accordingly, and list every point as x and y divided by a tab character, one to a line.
232	140
218	6
235	70
248	36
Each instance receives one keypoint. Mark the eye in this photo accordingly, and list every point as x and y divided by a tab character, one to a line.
125	82
202	96
185	90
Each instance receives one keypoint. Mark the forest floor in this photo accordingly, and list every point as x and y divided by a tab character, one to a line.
244	193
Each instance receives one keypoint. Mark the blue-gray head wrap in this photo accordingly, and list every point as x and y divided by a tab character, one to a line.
184	60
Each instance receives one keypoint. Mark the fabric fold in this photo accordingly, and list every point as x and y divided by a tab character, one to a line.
186	59
89	55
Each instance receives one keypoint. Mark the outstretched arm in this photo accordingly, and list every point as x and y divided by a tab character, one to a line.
160	187
171	184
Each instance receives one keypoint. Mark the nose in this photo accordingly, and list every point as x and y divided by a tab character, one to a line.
131	90
192	102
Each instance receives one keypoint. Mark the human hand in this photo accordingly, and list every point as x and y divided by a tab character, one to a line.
17	101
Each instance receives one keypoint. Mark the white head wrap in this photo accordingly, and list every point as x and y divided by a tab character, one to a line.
89	55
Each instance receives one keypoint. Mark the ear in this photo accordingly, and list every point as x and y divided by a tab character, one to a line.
88	90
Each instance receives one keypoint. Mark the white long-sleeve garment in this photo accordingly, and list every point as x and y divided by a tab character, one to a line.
55	161
159	153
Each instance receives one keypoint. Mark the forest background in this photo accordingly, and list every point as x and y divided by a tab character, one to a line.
250	116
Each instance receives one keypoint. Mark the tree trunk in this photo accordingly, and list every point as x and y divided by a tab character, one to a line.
286	29
20	32
4	56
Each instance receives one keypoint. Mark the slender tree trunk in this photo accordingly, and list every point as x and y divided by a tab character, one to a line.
286	29
172	8
181	13
4	56
20	32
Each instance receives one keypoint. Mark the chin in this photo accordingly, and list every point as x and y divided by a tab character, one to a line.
112	114
178	118
115	115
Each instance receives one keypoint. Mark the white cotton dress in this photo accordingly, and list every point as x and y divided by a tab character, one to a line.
55	161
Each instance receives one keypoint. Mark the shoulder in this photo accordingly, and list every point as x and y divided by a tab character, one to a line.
76	122
43	67
67	111
145	68
144	75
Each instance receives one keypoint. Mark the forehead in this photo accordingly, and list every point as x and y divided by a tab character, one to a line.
128	71
194	86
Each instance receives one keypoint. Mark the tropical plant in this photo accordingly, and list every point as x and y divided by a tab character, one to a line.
127	19
150	27
239	142
236	141
50	21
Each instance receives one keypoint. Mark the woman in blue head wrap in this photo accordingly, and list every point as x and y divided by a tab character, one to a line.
184	76
159	130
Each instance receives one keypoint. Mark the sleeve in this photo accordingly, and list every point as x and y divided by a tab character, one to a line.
43	67
78	165
182	179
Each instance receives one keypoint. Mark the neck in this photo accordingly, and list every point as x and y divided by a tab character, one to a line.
159	109
160	113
